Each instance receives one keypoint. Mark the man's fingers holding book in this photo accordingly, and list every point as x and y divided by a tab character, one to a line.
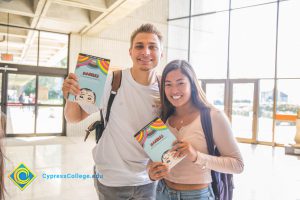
71	85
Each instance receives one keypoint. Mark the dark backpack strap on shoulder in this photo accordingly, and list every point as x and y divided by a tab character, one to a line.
115	85
207	128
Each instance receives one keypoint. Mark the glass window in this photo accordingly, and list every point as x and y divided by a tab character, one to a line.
179	8
50	90
205	6
265	110
242	109
288	102
21	89
288	60
178	39
252	42
20	119
215	94
209	45
49	119
53	50
19	46
242	3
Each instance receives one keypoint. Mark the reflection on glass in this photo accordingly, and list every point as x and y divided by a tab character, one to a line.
252	42
53	50
21	89
179	8
49	91
205	6
20	119
22	44
288	58
49	120
209	45
242	3
178	39
242	109
215	94
288	102
265	112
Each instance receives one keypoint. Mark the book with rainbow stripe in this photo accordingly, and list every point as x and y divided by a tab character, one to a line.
91	72
157	140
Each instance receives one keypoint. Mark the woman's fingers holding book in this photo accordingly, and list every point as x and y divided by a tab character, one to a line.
158	170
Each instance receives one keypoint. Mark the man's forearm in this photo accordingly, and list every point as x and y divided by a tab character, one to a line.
74	113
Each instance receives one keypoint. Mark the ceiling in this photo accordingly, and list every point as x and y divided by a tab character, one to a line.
85	17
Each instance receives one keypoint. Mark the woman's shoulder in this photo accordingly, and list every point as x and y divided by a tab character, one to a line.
217	114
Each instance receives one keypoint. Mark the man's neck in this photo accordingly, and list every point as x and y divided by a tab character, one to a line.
143	77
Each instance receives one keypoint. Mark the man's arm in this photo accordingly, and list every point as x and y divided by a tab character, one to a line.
73	112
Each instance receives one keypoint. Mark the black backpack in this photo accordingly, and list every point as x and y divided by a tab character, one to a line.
100	125
222	183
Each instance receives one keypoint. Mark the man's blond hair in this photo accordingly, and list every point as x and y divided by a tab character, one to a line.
146	28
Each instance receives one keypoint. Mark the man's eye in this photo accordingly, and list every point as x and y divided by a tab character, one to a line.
89	98
139	46
153	47
81	96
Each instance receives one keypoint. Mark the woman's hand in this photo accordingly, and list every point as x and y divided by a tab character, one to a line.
157	170
183	148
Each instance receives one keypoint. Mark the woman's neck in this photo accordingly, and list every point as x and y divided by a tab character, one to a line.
185	110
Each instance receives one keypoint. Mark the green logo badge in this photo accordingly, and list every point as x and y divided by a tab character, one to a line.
22	176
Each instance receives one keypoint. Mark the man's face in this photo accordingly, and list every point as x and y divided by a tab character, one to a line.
146	51
86	96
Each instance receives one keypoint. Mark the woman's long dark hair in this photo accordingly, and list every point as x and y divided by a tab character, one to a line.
197	94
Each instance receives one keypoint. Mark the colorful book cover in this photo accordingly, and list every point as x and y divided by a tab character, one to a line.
91	72
157	141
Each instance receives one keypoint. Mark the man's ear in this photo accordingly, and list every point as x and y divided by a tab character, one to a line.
130	51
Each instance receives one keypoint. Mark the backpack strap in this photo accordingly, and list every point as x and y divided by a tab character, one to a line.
207	129
115	85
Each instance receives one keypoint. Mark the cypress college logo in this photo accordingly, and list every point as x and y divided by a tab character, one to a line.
22	176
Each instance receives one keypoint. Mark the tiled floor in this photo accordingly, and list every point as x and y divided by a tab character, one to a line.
269	173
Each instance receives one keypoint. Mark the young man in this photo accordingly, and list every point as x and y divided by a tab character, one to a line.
118	157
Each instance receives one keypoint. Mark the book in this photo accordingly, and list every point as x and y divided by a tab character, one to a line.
157	141
92	73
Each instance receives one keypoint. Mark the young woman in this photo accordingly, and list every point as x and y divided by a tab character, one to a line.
182	100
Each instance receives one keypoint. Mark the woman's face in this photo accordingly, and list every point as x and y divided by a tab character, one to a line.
177	88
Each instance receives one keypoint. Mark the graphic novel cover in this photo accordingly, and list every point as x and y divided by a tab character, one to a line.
91	72
157	140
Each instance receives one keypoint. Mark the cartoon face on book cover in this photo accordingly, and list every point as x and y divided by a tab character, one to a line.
157	140
92	72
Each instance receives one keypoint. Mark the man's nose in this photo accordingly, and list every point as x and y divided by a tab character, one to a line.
146	51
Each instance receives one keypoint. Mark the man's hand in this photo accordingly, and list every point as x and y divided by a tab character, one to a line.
71	85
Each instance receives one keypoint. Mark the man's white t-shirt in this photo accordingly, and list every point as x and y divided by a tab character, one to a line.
118	156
